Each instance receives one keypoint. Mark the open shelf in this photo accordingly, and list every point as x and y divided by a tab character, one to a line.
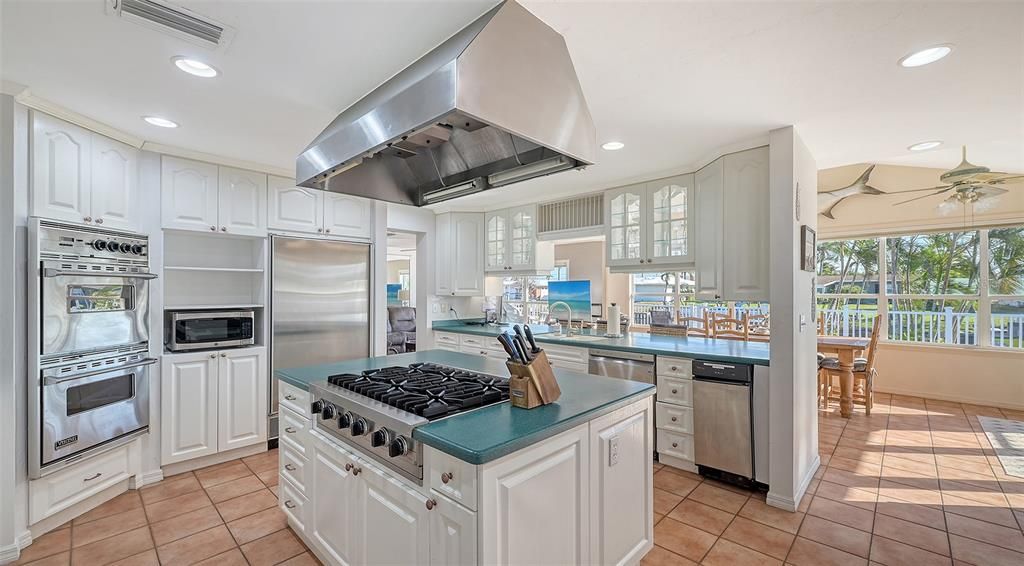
215	269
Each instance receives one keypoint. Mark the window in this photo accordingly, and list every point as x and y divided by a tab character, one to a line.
964	287
667	298
528	295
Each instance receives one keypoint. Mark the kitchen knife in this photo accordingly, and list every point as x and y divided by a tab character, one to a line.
533	343
519	331
523	349
510	349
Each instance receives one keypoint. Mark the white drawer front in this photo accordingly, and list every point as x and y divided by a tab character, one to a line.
58	491
476	341
442	339
674	417
566	353
293	504
453	478
294	431
571	366
294	398
675	367
675	444
293	466
675	390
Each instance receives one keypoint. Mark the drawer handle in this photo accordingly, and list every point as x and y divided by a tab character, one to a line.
291	468
290	430
674	419
98	474
674	391
431	504
348	467
675	445
674	368
356	471
289	504
290	397
446	477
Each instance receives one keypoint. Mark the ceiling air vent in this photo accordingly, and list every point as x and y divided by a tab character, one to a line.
172	19
579	214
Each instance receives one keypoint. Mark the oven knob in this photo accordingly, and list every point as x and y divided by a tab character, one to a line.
398	447
317	406
345	420
99	245
137	249
113	246
359	427
125	247
381	437
328	412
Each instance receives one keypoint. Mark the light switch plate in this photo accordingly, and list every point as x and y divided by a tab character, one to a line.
613	451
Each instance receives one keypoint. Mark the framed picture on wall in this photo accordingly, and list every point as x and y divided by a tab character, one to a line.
808	248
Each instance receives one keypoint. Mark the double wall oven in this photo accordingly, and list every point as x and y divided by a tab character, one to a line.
89	341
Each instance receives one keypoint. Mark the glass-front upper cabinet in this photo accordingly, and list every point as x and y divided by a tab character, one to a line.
671	228
625	227
512	245
523	236
495	229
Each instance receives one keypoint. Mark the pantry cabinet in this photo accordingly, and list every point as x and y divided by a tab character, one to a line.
459	247
212	402
311	211
650	224
207	198
512	246
83	177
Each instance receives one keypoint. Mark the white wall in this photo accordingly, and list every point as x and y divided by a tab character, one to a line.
793	429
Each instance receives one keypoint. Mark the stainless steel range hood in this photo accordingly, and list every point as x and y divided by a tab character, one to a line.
495	104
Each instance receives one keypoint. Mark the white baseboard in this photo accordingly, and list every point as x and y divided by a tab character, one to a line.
146	478
678	463
11	552
213	459
1001	403
791	503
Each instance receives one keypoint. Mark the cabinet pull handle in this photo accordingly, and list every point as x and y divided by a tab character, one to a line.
674	368
289	504
88	219
289	430
213	356
356	471
319	230
675	445
223	355
327	231
674	419
290	397
98	474
431	504
99	221
674	391
446	477
291	468
348	467
213	228
223	228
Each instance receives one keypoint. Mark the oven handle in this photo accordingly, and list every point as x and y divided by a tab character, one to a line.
56	380
54	272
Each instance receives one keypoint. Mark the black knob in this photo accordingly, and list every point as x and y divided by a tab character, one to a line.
317	406
345	420
125	247
99	245
381	437
137	249
359	427
398	446
328	412
113	246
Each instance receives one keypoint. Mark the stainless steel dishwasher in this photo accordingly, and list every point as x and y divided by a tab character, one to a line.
722	423
623	365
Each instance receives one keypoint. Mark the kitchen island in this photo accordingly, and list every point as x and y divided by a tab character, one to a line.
565	483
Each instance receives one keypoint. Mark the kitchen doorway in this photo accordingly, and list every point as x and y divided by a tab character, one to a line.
401	292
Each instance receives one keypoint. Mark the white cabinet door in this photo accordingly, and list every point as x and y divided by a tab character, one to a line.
670	224
188	194
548	480
397	521
624	225
346	215
709	217
496	257
746	250
468	254
188	406
522	224
621	486
61	164
115	174
292	208
242	407
452	533
335	520
242	202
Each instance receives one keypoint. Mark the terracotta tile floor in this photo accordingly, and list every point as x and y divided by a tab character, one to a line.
915	483
224	515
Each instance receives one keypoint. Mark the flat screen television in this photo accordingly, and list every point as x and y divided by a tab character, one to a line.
574	293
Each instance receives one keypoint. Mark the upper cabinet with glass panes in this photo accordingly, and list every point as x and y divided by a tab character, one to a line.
650	224
512	245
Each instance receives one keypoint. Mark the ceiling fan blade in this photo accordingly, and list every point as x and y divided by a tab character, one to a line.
939	192
919	190
990	191
1007	180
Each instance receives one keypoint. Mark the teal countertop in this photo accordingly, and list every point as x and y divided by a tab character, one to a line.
734	351
489	433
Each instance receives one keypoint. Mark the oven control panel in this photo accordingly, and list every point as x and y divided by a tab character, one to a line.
58	241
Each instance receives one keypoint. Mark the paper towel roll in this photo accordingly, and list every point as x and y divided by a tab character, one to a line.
614	321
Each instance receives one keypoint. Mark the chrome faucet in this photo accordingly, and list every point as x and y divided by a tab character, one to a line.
568	331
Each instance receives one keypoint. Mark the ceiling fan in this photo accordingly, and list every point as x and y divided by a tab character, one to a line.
970	184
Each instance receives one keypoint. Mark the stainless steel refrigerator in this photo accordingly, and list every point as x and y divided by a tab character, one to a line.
320	305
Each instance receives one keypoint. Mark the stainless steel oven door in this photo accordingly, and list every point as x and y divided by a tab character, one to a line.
84	409
83	312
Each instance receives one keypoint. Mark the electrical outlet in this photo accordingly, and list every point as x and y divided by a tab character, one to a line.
435	308
613	451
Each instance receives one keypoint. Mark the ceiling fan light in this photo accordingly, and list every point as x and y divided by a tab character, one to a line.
925	145
925	56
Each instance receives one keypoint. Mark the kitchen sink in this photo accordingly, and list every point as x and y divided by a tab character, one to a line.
578	337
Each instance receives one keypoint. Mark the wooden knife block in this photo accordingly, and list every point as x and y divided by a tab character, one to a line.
533	384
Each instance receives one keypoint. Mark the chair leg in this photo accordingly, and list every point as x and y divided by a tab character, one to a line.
869	394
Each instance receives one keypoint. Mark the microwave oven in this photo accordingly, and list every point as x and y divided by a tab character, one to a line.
201	330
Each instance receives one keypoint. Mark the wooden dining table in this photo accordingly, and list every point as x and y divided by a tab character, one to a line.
846	349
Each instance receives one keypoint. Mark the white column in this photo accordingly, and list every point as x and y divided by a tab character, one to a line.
983	320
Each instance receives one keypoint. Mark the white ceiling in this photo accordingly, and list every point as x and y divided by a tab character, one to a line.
673	80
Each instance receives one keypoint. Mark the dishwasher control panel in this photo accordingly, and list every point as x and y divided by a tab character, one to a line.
738	373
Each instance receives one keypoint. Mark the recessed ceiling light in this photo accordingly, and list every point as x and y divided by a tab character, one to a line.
926	145
926	56
194	67
612	145
158	121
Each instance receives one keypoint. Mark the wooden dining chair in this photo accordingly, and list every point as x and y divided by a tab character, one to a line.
821	323
690	323
730	328
863	371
